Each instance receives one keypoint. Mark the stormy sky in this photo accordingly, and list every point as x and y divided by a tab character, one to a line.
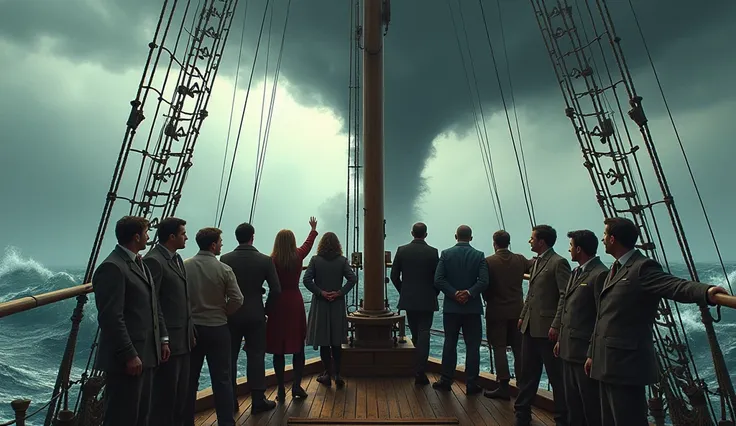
69	70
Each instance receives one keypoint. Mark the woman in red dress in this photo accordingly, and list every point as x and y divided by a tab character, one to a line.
286	328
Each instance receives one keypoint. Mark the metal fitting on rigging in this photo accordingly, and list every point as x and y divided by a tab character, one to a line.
136	115
636	112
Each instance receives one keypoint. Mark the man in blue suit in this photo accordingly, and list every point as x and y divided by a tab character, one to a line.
462	275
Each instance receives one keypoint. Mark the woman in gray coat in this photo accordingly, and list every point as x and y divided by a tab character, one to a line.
327	326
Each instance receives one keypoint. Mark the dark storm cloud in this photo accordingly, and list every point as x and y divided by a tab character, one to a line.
425	81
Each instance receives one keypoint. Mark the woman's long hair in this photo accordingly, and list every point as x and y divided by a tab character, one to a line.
329	246
284	252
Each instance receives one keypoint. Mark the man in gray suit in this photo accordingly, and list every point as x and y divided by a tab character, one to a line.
539	324
462	275
132	329
412	273
251	268
621	354
171	380
578	306
504	300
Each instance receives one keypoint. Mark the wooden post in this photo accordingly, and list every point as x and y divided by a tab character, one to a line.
20	406
373	322
65	418
374	269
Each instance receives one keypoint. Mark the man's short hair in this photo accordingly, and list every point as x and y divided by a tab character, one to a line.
546	233
206	237
502	239
464	233
585	239
128	227
244	232
168	227
419	230
623	230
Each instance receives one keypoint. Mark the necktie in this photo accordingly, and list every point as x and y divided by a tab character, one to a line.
139	262
614	269
179	263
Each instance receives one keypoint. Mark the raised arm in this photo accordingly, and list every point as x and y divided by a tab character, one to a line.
396	270
657	282
562	276
108	284
304	250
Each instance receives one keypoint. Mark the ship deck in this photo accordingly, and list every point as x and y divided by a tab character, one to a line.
379	400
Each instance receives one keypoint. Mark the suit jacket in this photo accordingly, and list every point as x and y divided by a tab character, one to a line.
622	346
412	273
462	267
170	279
252	268
579	310
128	313
505	296
546	284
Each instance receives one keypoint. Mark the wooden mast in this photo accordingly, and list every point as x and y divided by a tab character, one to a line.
374	261
373	321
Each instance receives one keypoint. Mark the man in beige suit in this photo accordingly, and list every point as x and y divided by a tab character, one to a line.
504	300
621	354
539	324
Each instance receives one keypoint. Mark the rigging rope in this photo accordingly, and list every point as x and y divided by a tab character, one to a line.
524	183
483	143
262	157
242	115
513	103
232	110
353	145
681	145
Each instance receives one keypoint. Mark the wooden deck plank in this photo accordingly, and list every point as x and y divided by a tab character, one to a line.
360	405
470	405
351	396
371	402
402	402
450	402
391	400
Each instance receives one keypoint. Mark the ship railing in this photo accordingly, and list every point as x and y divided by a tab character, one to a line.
20	409
27	303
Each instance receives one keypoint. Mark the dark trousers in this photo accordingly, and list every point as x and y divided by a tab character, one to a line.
535	353
170	385
503	333
127	399
213	344
623	405
279	365
420	323
581	395
254	334
331	358
472	328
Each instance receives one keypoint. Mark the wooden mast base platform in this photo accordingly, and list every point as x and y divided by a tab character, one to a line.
375	351
375	329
